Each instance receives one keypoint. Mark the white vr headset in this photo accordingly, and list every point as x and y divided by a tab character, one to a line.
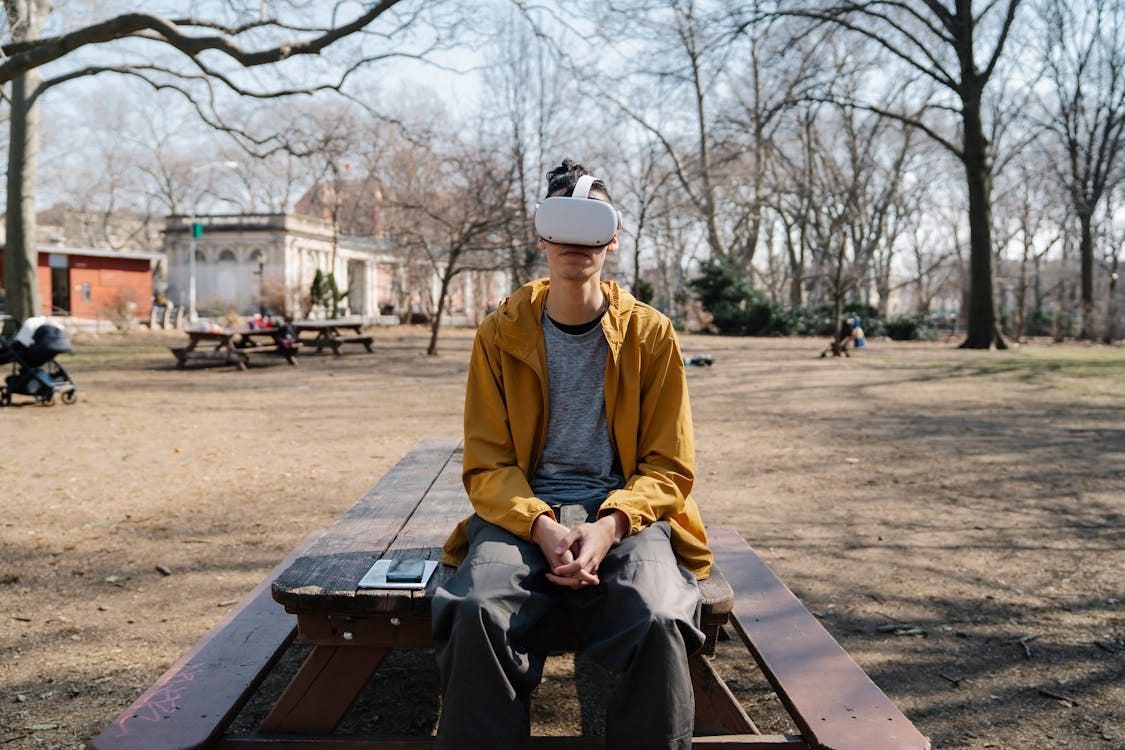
577	220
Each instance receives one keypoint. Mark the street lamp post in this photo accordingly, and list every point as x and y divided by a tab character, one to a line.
260	258
192	316
192	235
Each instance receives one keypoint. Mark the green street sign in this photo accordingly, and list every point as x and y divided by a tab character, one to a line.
196	229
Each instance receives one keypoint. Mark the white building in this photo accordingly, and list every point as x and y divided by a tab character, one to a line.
247	261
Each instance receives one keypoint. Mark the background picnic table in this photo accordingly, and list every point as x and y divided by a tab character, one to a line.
954	518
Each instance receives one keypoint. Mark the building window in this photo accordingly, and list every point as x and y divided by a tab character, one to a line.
85	291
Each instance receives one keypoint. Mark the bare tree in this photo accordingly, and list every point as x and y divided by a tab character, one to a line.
450	205
1085	54
91	173
939	43
878	220
793	198
933	266
834	224
21	261
531	93
683	60
189	55
641	188
1026	218
768	77
1112	262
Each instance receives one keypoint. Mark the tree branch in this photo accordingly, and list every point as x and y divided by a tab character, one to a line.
837	16
1009	17
33	54
913	121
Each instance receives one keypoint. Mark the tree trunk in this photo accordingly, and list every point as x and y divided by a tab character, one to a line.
1111	309
796	289
435	323
1021	295
837	324
1086	260
838	293
20	268
21	258
982	331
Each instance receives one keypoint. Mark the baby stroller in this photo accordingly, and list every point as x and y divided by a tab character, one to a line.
35	372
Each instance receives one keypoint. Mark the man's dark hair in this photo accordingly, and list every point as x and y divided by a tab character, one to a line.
562	179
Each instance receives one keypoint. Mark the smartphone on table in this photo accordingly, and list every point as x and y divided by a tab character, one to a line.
406	571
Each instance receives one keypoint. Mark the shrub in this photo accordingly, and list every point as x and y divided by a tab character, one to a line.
723	294
1039	322
122	312
903	328
919	326
803	321
644	291
735	308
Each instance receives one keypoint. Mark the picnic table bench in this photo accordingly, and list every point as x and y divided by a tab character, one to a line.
233	346
333	334
408	513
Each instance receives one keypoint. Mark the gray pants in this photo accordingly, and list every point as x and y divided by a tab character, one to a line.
494	619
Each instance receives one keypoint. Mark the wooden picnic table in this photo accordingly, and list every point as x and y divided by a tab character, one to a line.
333	334
408	513
233	346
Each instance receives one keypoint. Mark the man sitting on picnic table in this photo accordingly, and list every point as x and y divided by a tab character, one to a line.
579	461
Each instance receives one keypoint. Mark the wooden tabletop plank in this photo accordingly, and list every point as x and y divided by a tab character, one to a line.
829	697
443	507
325	576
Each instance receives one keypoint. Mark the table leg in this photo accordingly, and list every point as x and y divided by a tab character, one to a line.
323	689
717	711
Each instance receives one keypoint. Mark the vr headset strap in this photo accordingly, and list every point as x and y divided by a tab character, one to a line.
582	187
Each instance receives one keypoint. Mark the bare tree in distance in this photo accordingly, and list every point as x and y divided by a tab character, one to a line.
680	58
640	186
191	55
1111	260
1085	55
530	94
767	79
792	201
938	42
851	195
1031	213
450	204
98	197
932	267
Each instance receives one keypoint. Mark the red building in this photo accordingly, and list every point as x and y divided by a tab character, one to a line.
94	284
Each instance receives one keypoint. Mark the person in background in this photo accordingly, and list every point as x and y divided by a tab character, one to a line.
839	347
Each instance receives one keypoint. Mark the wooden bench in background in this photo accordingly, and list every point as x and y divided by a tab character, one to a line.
408	513
332	334
233	347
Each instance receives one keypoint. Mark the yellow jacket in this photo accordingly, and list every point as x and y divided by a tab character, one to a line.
646	398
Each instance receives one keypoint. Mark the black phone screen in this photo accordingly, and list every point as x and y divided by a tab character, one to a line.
405	571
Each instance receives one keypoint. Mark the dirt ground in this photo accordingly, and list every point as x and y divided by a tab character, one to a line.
956	519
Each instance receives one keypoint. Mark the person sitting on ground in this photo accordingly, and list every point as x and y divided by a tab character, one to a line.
579	463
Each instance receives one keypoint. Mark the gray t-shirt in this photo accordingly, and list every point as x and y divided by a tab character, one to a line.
579	464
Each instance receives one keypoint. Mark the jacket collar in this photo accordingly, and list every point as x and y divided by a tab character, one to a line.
520	319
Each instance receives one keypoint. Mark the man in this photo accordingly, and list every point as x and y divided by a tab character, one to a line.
579	461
